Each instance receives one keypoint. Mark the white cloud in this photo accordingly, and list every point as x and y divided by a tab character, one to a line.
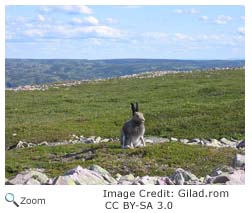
193	11
130	6
188	11
20	19
155	35
178	11
222	19
111	21
41	18
241	30
77	21
35	32
181	36
204	18
9	35
77	9
210	37
104	31
91	20
71	9
63	31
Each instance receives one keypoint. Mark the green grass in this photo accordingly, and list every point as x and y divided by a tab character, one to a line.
199	104
159	159
184	105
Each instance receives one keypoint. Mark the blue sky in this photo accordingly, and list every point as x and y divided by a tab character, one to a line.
104	32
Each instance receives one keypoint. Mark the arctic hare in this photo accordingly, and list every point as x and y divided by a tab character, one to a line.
132	133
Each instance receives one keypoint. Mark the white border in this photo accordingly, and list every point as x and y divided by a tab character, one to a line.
89	198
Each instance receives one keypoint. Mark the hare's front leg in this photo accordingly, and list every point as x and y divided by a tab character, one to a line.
123	140
142	140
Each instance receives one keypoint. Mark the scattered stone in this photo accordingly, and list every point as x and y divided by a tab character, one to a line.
83	139
148	141
241	144
98	139
118	176
156	140
239	160
151	140
82	176
22	144
205	141
164	181
214	143
63	180
96	175
31	145
105	140
32	181
185	141
129	177
90	140
228	143
195	140
237	178
222	179
207	179
182	177
104	173
178	178
44	143
24	177
147	180
216	172
201	143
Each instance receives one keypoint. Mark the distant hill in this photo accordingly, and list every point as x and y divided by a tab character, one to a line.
20	72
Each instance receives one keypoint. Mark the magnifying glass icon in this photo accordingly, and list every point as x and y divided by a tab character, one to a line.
9	197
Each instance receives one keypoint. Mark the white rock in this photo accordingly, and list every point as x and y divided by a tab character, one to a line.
148	141
31	145
24	177
239	160
90	140
184	141
105	140
44	143
195	140
228	142
83	139
214	143
98	139
22	144
174	139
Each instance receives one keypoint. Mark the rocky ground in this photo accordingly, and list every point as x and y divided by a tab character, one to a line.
221	143
96	175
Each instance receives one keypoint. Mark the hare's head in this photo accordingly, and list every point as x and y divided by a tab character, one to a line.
138	117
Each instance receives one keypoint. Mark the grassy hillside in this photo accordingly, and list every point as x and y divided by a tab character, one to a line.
184	105
21	72
198	104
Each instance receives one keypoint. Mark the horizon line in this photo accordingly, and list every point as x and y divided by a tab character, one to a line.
182	59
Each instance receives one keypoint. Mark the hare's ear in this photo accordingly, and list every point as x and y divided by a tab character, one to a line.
137	110
133	108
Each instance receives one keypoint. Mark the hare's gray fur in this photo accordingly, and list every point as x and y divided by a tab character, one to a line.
132	134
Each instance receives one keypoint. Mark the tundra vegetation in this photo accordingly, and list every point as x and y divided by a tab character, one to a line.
207	104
